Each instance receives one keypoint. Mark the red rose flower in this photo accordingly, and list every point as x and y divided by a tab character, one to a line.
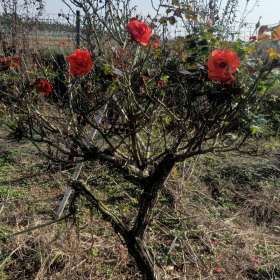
80	63
156	43
44	87
222	64
161	84
217	269
215	242
139	31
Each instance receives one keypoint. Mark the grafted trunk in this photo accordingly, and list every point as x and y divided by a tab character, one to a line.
134	238
154	184
138	250
136	247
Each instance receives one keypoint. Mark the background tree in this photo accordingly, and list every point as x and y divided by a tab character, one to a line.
19	16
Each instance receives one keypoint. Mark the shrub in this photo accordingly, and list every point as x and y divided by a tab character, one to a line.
148	108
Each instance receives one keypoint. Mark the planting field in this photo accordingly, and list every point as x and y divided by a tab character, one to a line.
50	42
44	41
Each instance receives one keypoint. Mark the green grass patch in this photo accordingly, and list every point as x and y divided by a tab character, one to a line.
8	192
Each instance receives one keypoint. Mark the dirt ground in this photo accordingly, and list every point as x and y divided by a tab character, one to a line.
219	219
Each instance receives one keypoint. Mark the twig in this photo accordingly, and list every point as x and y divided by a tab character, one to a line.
36	227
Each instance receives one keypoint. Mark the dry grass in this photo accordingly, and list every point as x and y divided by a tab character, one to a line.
31	43
219	219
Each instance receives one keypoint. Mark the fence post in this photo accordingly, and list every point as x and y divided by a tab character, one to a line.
78	29
14	26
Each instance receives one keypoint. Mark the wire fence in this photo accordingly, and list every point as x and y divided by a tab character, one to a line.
240	31
27	34
63	31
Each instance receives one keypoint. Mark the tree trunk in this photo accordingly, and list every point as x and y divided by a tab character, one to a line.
136	247
134	238
148	199
138	250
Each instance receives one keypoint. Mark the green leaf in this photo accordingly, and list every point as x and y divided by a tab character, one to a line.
114	86
165	78
167	120
107	69
255	129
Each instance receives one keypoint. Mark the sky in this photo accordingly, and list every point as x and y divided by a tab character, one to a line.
55	6
268	9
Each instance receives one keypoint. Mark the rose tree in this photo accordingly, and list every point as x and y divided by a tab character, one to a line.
163	105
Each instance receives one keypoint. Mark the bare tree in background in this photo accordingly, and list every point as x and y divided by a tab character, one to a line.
18	16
